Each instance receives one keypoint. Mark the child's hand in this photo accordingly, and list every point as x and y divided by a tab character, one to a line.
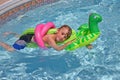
89	46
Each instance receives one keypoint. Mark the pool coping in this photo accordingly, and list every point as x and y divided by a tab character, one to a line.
10	4
23	6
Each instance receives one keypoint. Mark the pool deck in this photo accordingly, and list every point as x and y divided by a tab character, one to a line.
6	5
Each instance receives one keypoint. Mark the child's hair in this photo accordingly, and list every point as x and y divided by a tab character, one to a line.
69	30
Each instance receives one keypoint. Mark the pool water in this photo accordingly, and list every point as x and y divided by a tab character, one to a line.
100	63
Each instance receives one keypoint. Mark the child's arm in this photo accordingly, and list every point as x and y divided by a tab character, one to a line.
53	44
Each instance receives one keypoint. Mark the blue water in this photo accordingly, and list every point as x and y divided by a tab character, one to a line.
100	63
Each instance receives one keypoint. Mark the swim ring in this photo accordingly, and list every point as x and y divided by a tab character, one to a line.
40	31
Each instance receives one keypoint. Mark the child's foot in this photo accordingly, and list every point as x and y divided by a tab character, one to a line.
6	46
89	46
8	33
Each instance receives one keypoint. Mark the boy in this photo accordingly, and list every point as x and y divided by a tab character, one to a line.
62	34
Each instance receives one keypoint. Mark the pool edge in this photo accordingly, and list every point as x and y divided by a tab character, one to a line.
25	6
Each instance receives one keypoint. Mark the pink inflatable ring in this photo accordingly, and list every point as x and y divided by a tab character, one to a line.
40	31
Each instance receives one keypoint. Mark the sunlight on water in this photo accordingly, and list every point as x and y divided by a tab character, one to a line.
100	63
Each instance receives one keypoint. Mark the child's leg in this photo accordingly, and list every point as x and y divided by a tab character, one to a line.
6	46
89	46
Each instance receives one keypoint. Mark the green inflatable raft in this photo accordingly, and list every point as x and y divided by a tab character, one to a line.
86	34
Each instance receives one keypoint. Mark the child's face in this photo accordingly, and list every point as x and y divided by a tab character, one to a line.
62	34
